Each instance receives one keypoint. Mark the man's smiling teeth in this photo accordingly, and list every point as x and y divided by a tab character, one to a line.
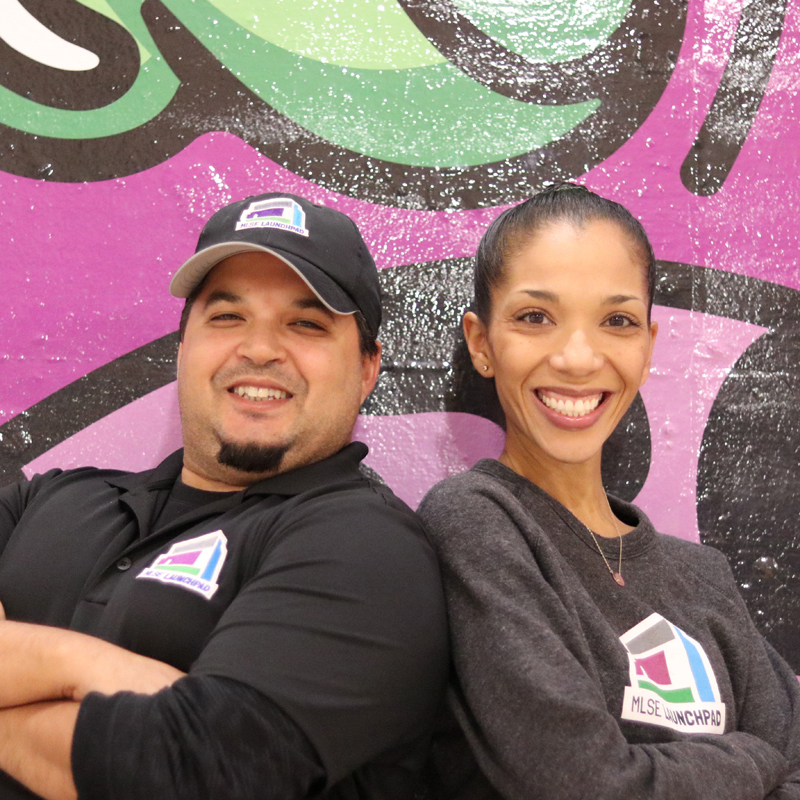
579	407
259	393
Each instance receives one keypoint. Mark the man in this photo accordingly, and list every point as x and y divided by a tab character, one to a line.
253	618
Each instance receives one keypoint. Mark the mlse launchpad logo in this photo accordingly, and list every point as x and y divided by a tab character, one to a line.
672	683
278	212
194	564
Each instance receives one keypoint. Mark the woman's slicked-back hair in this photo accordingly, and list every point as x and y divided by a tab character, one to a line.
567	202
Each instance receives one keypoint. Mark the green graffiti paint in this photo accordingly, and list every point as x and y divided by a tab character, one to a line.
360	34
548	30
102	7
431	116
151	92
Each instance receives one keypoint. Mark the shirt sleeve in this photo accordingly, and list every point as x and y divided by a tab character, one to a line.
784	722
14	499
343	626
12	504
203	737
532	711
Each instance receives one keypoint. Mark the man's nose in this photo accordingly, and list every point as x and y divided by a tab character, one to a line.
261	344
577	356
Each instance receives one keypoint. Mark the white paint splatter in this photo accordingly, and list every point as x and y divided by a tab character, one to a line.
22	31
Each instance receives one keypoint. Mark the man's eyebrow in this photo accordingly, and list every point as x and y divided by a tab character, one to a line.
313	302
221	296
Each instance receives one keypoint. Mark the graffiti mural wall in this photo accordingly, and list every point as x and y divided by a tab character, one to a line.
125	124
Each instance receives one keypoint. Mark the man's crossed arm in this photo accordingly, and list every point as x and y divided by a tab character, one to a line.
44	674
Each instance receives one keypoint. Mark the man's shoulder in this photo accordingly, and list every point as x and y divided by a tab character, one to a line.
338	486
84	485
56	480
354	507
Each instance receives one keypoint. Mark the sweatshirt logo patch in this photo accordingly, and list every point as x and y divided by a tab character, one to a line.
672	683
194	564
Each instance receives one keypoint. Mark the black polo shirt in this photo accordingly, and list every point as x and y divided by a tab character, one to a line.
316	587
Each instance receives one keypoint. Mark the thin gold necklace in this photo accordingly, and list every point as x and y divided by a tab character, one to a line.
617	576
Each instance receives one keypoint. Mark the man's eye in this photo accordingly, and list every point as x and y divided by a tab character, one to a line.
310	324
227	317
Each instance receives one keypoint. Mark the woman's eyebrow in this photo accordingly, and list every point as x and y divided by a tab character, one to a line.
616	299
536	294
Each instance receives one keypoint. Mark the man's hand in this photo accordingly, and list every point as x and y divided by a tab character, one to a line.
39	663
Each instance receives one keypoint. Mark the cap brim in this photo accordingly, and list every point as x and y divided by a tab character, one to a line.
195	269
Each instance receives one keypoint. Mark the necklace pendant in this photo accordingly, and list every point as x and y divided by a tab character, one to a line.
618	578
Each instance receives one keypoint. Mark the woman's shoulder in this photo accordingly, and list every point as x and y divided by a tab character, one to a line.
485	479
687	550
469	499
701	559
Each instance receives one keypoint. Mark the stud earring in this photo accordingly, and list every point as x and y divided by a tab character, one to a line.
485	368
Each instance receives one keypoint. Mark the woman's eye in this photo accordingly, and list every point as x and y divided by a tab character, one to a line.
533	317
621	321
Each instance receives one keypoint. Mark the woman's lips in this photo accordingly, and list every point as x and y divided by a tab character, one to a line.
570	411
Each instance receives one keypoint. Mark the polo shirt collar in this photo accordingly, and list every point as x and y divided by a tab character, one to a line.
162	477
341	466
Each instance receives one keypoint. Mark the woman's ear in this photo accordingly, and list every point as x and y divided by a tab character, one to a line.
475	335
653	334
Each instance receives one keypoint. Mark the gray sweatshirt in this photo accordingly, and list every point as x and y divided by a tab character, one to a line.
567	685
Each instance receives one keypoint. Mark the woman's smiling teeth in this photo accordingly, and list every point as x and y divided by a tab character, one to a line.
570	406
259	393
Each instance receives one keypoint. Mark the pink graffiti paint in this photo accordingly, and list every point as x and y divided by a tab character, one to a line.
133	438
694	352
413	452
92	262
86	265
744	227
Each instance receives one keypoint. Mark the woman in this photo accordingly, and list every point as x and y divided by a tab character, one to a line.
593	657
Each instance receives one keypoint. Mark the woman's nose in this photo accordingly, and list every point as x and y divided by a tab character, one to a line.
577	357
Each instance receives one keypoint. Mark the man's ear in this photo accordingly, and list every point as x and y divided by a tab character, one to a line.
475	335
370	369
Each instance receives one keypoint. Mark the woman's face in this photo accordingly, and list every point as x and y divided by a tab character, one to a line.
568	342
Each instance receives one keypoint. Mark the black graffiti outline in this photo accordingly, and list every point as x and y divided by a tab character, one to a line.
115	48
703	172
590	76
738	98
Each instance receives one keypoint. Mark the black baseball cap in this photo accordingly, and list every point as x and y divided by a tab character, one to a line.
323	246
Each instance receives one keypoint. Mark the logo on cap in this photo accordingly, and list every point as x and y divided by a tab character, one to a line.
281	213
